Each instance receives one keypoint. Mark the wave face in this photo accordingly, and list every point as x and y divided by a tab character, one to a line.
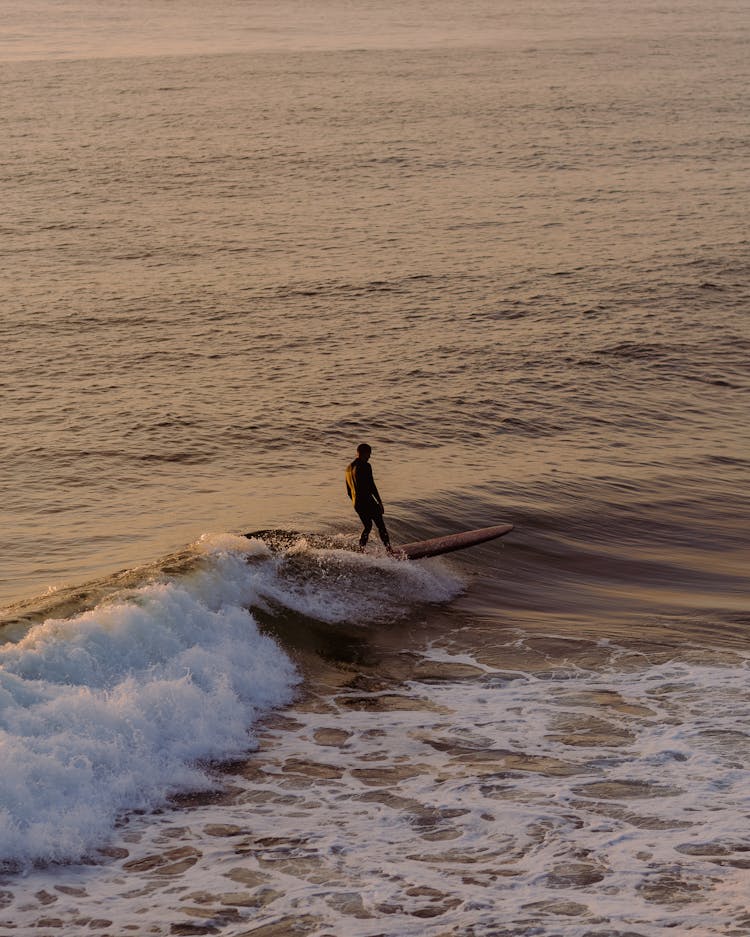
120	707
114	709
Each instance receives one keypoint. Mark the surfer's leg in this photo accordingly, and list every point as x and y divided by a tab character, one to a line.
367	524
382	531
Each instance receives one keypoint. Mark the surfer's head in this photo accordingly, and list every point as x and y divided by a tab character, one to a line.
364	451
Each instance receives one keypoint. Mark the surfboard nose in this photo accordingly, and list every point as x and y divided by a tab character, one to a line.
467	538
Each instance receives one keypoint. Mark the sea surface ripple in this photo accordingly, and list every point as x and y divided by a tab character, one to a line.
507	246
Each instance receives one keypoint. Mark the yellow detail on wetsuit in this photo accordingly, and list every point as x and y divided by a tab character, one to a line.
351	484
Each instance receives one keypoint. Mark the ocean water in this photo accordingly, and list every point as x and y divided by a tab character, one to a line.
505	244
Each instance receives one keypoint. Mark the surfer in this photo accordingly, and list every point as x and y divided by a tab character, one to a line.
361	488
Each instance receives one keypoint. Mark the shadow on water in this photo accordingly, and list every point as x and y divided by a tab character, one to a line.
334	644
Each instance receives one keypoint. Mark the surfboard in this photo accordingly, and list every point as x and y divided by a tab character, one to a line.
438	545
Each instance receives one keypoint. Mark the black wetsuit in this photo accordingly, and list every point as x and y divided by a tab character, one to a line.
360	486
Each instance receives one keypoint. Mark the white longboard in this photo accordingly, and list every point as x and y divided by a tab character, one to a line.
438	545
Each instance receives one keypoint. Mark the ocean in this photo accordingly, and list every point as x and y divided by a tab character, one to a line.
506	245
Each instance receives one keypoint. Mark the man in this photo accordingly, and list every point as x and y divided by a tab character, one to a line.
360	486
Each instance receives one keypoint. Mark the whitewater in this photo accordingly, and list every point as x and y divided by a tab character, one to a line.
123	706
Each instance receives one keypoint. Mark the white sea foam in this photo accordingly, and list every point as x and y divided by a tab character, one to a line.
112	709
335	585
501	803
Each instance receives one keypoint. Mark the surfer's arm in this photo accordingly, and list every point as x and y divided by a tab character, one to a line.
376	496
